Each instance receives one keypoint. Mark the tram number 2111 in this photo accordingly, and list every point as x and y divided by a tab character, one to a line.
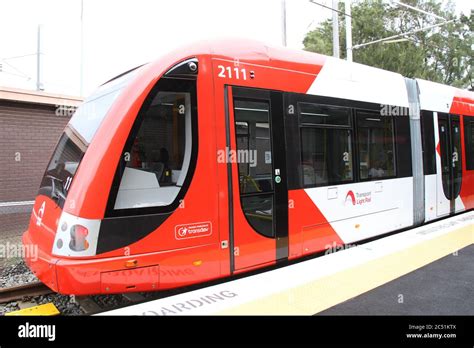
229	72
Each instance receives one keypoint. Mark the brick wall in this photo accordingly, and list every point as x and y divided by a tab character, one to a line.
28	135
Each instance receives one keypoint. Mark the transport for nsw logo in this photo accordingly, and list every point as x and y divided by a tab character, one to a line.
199	229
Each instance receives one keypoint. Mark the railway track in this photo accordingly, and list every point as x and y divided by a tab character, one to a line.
88	304
20	291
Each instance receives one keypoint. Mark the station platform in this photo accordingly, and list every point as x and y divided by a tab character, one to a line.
423	271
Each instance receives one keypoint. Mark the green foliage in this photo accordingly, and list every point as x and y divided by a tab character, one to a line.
442	54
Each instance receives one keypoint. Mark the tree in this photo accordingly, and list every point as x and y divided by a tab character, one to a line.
443	54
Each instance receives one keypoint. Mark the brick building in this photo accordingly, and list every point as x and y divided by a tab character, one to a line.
30	125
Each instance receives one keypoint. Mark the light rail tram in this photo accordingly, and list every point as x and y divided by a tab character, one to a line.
228	156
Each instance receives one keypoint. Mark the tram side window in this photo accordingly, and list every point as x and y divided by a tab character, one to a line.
254	158
159	156
254	152
326	144
243	138
427	133
469	141
375	140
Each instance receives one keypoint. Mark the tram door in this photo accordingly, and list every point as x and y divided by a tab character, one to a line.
451	164
259	218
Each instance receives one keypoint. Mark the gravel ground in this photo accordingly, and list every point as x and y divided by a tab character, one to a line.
13	223
6	242
65	304
16	274
8	307
108	302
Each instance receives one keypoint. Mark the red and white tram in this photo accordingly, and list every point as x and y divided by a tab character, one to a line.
229	156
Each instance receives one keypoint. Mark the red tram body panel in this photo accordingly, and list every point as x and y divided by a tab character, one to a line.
228	156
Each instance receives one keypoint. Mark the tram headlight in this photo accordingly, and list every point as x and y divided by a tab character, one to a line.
79	238
76	236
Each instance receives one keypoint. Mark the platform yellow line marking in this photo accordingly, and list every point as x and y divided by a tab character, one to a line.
318	295
45	309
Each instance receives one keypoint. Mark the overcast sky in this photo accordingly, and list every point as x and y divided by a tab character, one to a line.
121	34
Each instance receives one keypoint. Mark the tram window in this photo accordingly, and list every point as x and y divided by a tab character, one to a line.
159	156
469	141
427	133
242	131
326	156
375	140
254	153
318	114
258	210
403	145
254	158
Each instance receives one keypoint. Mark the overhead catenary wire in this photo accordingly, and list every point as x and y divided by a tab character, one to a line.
17	57
17	75
329	8
402	34
19	72
418	10
445	21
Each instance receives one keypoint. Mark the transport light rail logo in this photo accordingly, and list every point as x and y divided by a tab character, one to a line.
199	229
350	197
358	198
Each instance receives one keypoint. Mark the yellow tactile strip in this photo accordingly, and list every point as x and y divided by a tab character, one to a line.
45	309
323	293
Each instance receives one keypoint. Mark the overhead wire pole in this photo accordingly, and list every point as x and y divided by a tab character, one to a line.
283	22
82	51
329	8
348	17
335	29
335	24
